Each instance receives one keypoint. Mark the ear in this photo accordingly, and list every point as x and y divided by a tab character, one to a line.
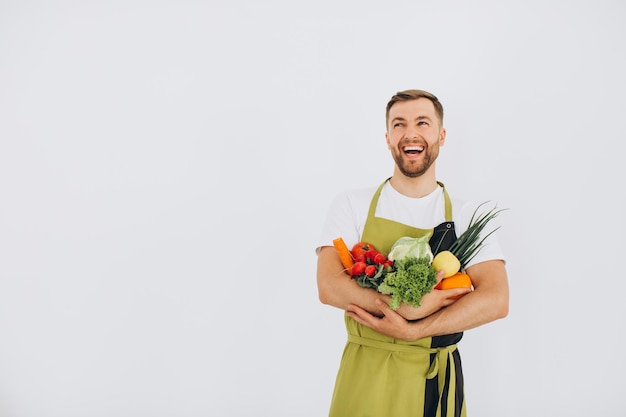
387	140
442	137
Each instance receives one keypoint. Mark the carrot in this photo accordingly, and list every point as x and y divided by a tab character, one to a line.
344	253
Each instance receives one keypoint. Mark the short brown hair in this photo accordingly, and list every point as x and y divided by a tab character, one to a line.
408	95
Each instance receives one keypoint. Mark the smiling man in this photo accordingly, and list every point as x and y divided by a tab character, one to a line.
405	362
414	135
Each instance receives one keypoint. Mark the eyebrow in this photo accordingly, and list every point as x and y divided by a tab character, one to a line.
402	119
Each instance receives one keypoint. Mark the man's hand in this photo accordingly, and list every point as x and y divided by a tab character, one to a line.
391	324
488	301
431	302
397	324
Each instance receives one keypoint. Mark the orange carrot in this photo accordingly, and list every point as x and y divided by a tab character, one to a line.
344	253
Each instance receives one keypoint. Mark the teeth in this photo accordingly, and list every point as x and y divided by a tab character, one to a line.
413	148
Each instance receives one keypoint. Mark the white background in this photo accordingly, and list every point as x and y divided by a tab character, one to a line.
165	168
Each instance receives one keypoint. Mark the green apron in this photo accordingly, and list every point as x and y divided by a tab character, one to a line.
380	376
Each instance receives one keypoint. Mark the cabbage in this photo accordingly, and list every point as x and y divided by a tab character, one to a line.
416	247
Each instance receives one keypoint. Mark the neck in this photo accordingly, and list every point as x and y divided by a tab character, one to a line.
413	187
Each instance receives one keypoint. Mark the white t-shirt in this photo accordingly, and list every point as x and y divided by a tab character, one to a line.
348	212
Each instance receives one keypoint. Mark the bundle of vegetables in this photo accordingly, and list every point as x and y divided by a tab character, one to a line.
413	274
408	272
364	263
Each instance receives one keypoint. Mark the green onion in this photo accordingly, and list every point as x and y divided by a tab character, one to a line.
468	244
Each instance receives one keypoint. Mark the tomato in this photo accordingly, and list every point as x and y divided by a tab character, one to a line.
371	254
360	258
360	249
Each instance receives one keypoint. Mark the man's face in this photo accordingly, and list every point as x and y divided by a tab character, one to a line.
414	135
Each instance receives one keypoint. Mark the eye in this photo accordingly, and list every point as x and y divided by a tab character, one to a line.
422	123
398	124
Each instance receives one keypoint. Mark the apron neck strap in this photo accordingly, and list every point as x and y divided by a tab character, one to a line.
446	198
447	202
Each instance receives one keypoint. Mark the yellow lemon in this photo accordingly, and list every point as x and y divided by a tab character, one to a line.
448	262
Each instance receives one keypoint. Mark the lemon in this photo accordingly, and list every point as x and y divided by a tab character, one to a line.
448	262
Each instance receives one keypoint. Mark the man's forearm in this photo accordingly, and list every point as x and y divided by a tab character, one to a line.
338	289
472	310
488	302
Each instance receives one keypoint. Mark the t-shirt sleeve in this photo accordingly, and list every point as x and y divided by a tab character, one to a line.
340	222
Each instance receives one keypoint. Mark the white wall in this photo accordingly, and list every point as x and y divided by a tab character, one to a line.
165	168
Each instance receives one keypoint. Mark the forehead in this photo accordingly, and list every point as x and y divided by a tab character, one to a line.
412	109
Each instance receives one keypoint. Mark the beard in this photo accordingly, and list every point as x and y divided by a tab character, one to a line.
415	168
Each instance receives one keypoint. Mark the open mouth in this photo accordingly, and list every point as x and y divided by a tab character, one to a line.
413	149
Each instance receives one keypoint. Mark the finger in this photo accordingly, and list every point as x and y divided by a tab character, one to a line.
384	307
354	310
360	315
358	318
355	317
439	276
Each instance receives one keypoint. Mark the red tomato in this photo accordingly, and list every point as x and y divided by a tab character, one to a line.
360	258
371	254
360	249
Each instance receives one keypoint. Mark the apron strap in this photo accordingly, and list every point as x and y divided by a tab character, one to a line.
447	202
438	367
372	211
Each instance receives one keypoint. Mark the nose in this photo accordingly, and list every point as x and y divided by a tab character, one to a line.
410	132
